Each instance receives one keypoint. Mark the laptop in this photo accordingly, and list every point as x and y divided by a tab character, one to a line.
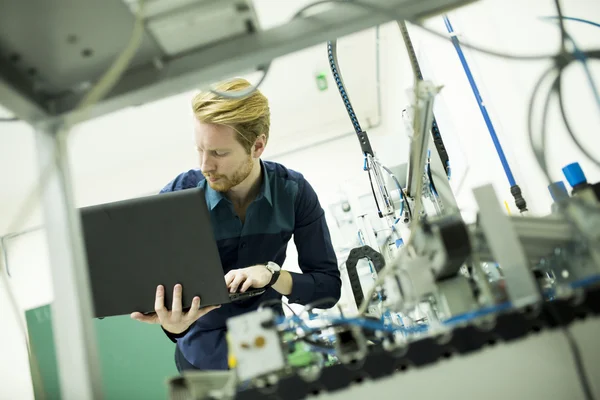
134	245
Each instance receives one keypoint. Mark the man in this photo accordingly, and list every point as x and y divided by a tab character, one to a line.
255	207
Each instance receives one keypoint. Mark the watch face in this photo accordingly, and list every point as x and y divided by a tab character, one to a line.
273	267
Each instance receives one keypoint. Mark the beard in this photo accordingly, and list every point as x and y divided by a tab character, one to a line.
225	183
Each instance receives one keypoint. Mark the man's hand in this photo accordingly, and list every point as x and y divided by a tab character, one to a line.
256	276
174	321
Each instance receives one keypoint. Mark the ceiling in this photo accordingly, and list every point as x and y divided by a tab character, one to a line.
137	150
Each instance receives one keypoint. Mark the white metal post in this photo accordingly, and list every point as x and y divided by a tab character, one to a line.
72	323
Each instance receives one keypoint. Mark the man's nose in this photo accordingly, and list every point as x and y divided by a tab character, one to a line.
207	164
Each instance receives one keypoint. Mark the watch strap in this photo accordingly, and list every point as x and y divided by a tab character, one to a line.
276	273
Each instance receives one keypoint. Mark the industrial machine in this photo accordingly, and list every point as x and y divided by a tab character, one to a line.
445	295
452	308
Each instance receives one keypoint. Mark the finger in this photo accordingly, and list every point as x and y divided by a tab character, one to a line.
229	277
194	312
239	278
149	318
159	303
247	284
176	305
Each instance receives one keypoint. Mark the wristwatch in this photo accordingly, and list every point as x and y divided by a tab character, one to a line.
275	270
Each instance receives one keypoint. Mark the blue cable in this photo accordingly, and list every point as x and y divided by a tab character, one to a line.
478	313
482	108
589	281
585	21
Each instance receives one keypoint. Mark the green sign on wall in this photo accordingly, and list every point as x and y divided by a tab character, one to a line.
136	359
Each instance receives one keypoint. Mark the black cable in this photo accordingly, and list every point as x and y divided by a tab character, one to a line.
374	195
402	194
275	302
568	127
398	16
430	177
494	53
537	153
561	23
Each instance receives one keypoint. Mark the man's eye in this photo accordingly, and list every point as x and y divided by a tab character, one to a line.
220	153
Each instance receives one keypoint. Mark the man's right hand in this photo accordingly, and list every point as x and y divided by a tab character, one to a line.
174	321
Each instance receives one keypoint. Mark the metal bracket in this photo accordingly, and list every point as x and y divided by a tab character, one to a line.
502	239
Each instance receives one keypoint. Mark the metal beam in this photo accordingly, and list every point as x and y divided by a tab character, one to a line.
74	335
22	105
246	53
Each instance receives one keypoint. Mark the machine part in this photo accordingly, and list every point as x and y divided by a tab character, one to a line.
374	167
253	337
366	232
364	252
350	345
445	242
553	244
511	335
74	334
456	296
502	239
425	93
436	173
585	214
415	281
203	385
414	63
558	191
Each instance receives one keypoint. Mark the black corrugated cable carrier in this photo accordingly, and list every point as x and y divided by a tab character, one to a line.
363	139
414	63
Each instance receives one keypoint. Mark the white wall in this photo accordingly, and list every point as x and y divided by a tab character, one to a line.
140	149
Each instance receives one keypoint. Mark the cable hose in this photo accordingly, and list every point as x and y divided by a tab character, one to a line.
414	63
337	76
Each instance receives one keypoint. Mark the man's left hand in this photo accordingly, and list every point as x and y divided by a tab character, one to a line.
256	276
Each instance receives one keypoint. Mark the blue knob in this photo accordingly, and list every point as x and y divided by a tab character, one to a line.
558	191
574	174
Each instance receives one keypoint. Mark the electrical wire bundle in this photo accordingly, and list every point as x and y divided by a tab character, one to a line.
562	61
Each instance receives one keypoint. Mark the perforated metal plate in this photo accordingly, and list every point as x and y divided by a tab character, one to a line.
58	44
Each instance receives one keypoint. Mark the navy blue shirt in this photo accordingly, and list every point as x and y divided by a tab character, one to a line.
286	205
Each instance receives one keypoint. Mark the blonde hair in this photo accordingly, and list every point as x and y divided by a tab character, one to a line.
249	116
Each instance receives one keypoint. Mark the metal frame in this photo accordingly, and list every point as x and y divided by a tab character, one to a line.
72	323
169	77
74	336
506	248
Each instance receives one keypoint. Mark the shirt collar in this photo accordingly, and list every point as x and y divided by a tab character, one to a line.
213	197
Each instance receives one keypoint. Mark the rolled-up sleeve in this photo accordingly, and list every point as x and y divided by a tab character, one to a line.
320	278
